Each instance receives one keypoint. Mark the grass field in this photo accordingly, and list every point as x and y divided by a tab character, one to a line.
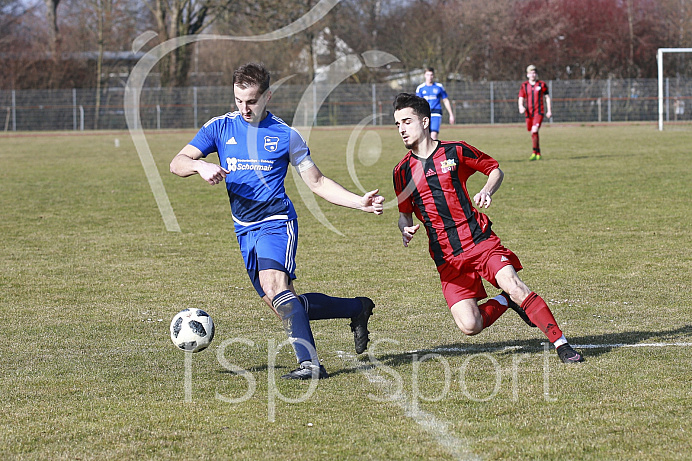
91	278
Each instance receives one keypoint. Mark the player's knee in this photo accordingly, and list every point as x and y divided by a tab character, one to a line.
470	327
272	287
270	292
518	292
467	317
474	330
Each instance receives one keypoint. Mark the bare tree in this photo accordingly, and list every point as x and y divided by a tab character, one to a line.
474	39
677	17
264	16
10	14
52	16
103	8
435	33
177	18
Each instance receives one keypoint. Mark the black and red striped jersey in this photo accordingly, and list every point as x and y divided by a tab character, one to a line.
533	97
434	189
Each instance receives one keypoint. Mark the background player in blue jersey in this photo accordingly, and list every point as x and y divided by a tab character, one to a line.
436	95
255	149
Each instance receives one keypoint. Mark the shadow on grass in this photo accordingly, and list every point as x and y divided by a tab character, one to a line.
257	369
593	345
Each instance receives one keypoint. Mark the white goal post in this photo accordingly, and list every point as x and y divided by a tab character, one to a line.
659	58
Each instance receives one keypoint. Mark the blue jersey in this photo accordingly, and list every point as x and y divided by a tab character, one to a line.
434	94
257	158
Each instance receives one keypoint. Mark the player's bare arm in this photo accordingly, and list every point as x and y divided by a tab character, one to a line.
548	107
406	227
521	105
448	106
483	199
335	193
189	161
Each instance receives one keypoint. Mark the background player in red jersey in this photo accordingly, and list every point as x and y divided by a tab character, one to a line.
430	181
532	94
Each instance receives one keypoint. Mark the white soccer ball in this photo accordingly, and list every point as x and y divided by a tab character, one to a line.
192	330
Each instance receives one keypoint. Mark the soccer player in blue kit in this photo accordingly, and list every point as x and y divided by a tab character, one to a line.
436	95
255	149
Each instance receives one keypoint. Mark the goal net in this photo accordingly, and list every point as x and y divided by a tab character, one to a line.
672	102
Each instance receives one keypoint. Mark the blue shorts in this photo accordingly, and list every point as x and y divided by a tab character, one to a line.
435	121
272	246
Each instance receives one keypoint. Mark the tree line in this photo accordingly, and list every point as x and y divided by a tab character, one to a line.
82	43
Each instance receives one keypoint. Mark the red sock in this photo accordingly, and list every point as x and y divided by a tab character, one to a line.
534	139
491	310
539	313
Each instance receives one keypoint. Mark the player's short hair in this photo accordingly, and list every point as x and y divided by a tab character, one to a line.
430	69
252	74
419	105
530	68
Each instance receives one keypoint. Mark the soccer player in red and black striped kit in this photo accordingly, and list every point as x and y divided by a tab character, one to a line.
534	102
430	182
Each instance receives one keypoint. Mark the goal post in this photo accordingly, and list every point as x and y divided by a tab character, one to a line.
659	58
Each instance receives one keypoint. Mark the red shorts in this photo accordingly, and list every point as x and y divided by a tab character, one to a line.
461	275
535	120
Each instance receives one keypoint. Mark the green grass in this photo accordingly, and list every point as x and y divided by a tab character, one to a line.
90	280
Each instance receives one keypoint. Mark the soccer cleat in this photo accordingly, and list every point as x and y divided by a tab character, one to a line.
569	355
359	325
307	370
538	156
516	308
533	156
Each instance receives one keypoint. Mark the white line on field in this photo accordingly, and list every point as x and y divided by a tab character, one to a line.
612	346
437	428
578	346
457	447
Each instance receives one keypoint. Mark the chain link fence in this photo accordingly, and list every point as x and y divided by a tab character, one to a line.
582	101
